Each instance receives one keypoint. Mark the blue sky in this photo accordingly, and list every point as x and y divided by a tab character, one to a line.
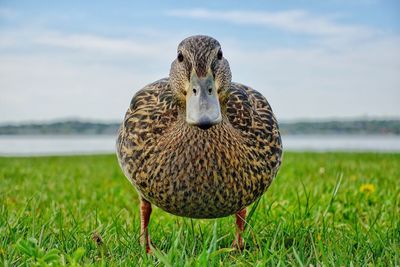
311	59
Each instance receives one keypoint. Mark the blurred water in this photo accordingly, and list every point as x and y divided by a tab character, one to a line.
56	145
97	144
379	143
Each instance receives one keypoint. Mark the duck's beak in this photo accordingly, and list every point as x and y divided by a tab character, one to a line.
202	104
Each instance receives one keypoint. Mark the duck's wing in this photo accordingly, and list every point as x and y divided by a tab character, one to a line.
151	111
250	113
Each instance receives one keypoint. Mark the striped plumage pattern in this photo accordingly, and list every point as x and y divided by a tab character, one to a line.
199	173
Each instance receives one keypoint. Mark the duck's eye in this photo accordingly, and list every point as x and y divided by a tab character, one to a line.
180	56
219	55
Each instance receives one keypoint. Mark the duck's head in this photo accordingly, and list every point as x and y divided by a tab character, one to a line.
199	78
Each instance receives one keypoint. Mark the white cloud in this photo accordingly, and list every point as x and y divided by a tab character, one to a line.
296	21
316	83
37	87
104	44
86	43
51	75
48	75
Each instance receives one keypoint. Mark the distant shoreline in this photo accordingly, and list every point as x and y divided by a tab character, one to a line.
329	127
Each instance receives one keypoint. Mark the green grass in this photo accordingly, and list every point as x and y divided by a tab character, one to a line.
329	209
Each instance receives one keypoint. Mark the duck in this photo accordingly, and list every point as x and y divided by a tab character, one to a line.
196	144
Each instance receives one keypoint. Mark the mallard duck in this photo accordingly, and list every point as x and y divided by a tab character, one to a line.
196	144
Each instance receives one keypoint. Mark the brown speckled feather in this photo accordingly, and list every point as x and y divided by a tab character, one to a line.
199	173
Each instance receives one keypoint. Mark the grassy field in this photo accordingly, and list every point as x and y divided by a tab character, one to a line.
331	209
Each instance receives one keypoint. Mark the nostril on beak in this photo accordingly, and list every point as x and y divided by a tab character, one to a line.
194	91
209	91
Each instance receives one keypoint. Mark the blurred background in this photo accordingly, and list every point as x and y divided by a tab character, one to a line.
68	70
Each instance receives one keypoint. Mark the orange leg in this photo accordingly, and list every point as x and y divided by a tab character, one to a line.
240	224
145	212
